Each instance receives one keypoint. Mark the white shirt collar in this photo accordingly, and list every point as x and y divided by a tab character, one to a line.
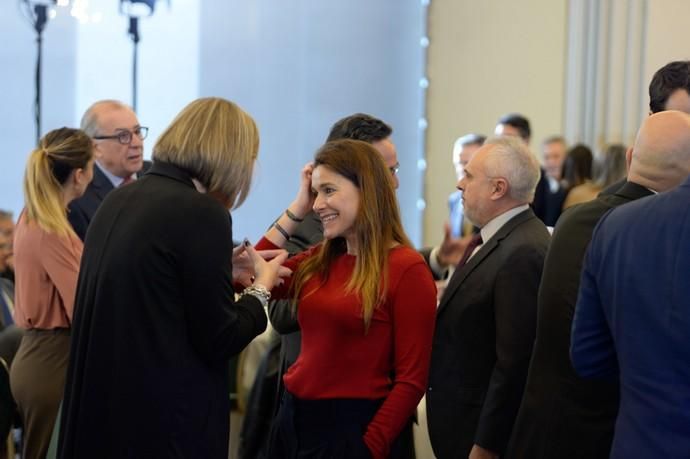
114	179
491	228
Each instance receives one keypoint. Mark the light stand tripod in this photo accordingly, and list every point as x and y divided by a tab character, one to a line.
38	16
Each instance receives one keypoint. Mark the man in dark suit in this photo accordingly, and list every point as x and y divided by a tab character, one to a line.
486	319
118	141
563	416
632	320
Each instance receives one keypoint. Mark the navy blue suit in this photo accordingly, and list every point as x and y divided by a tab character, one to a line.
632	320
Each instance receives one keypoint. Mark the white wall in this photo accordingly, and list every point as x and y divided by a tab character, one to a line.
17	65
299	66
667	34
488	58
295	66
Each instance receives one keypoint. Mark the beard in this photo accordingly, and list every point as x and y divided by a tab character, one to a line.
474	214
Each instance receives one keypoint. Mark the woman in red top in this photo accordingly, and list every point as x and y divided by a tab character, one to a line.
47	253
366	310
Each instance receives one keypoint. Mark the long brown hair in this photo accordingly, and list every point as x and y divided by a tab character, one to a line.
50	165
377	224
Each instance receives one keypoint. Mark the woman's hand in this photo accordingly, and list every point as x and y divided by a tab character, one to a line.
304	200
268	273
243	271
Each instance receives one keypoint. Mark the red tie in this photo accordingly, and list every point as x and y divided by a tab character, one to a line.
127	180
474	242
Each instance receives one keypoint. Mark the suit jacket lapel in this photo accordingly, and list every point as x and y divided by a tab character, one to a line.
484	251
100	184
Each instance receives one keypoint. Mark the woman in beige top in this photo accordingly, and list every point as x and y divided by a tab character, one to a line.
609	168
47	253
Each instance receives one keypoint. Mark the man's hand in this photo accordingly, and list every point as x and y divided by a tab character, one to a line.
481	453
451	249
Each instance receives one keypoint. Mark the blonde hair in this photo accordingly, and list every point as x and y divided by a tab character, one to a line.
377	224
50	166
217	143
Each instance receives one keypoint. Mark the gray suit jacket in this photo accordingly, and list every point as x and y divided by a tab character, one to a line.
485	328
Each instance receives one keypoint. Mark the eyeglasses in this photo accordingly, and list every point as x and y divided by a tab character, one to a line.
394	169
125	136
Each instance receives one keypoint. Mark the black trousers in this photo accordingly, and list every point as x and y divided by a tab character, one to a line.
327	429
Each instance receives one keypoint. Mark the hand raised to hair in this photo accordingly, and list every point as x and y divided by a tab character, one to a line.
304	200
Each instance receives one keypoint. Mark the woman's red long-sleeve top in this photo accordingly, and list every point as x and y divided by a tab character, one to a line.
390	361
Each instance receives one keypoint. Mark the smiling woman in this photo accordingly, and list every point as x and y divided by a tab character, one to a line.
336	203
366	310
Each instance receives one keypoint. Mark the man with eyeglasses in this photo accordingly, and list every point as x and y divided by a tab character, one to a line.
118	151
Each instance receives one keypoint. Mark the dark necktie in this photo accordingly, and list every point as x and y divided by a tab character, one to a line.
474	242
6	313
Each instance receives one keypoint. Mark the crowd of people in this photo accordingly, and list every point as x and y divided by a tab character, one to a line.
550	322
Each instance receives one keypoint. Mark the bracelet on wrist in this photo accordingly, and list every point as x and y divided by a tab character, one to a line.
259	292
281	230
293	217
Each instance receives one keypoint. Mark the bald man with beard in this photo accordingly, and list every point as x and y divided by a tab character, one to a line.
562	415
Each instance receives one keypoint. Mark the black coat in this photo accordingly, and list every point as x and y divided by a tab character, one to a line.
485	327
155	324
562	415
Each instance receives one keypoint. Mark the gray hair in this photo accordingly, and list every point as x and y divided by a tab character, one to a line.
511	159
469	139
89	122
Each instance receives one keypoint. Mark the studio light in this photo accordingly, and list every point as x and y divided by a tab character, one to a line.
137	8
38	12
134	10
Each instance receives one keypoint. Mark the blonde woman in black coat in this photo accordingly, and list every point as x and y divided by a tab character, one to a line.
156	317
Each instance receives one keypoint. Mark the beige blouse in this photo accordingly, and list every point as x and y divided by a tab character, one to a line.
46	267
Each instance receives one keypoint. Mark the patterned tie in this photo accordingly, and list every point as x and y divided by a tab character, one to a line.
474	243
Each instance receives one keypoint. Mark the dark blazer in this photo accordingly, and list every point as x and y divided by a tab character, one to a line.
485	328
632	319
82	210
308	233
563	416
155	325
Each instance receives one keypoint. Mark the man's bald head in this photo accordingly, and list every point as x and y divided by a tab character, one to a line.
661	154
